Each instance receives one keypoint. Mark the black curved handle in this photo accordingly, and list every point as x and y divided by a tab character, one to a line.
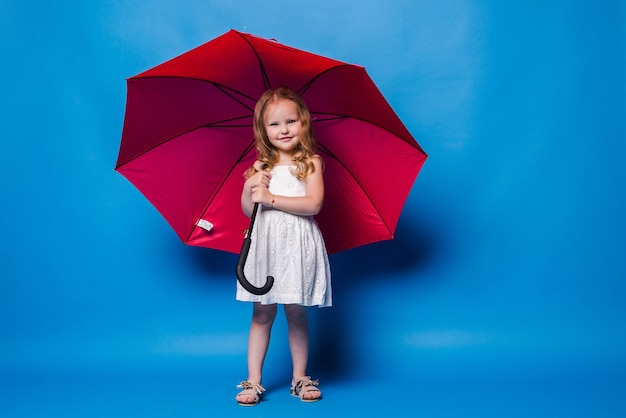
241	261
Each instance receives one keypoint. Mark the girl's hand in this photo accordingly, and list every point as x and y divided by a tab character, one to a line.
256	191
257	182
261	178
261	194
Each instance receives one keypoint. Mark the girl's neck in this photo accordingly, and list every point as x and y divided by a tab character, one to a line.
286	159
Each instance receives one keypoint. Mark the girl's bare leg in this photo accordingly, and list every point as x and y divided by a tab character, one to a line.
258	341
298	331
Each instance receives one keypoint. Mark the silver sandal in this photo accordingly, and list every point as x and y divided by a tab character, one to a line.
305	385
257	392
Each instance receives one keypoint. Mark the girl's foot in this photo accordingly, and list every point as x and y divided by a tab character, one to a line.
306	389
251	393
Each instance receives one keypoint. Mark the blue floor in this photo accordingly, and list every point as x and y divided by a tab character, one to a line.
212	394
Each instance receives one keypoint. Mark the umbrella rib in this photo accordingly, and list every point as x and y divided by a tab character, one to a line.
225	123
219	124
309	83
337	116
266	81
327	117
224	89
325	149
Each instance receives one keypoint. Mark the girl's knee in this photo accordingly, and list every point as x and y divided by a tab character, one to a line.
263	314
296	315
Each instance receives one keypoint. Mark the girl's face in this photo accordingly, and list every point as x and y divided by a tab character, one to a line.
283	125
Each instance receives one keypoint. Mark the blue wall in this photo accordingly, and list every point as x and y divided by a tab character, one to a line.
503	293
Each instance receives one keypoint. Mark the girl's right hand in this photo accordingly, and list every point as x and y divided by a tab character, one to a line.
259	179
256	191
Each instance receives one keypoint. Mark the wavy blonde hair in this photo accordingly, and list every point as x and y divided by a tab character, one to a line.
267	154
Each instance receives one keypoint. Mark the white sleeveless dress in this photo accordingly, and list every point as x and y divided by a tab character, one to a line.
290	248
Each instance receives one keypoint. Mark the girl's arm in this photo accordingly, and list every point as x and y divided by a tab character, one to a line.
309	204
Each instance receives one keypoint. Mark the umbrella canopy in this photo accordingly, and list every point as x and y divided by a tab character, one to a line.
187	140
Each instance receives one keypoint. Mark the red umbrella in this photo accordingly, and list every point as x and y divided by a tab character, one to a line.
187	139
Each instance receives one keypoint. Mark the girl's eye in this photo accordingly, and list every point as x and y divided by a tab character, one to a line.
291	121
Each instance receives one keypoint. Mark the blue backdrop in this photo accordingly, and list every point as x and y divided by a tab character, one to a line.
503	293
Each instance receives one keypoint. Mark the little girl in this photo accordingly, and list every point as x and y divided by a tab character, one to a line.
287	182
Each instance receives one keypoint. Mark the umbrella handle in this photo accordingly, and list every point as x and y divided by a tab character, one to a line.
241	261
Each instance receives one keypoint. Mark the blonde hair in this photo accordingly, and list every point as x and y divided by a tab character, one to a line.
267	154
